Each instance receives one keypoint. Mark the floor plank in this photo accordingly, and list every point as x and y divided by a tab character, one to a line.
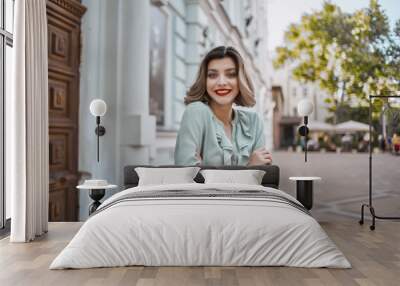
375	257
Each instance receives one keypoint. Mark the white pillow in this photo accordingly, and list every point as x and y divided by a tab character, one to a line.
164	176
249	177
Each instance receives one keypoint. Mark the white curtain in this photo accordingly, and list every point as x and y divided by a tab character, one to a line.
27	124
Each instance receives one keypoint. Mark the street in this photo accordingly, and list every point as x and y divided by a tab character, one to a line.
344	185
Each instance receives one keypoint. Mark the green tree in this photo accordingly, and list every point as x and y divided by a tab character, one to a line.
349	55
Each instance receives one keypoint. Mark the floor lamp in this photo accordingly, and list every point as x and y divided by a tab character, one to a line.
369	205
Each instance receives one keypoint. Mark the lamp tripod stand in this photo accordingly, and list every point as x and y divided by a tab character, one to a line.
369	205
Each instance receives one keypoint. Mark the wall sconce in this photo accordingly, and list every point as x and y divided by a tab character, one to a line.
304	108
98	108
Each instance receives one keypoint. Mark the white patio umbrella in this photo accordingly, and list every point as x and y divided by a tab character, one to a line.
351	126
320	126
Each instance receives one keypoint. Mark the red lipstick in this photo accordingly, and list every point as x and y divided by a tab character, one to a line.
222	91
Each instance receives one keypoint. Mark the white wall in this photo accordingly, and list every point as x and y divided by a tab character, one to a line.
98	80
115	68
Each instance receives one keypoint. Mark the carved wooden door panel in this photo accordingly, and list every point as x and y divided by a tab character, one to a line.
63	23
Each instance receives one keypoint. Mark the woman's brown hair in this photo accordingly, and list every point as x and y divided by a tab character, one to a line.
198	91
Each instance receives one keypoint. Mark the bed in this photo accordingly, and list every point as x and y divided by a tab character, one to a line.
198	224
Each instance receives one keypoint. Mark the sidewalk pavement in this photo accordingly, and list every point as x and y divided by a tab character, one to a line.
344	185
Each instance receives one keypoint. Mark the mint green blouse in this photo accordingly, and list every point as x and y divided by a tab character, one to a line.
203	132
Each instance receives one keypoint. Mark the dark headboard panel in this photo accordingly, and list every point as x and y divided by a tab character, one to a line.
270	179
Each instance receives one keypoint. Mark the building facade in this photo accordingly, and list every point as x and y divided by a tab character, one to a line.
141	57
287	91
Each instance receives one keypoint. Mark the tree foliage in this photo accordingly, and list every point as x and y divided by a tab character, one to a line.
349	55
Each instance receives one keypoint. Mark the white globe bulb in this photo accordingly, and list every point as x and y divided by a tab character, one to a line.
305	107
98	107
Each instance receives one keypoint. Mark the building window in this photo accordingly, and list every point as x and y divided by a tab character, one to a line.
315	107
6	45
158	63
305	92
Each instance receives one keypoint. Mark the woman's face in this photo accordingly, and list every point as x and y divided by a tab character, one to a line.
222	81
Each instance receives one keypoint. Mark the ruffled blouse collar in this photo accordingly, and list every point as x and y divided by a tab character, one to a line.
243	136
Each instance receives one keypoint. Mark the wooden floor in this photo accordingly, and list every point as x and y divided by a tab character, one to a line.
374	255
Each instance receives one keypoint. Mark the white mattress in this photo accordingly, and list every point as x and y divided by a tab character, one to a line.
200	231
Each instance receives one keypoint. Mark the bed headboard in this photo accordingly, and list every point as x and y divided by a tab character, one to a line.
270	179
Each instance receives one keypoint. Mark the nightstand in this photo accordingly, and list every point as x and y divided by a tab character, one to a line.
97	190
304	190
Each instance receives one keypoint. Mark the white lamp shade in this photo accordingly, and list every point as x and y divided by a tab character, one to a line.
305	107
98	107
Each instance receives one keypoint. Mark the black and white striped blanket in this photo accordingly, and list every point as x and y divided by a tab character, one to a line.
205	194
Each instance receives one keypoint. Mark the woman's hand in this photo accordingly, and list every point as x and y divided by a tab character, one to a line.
260	157
198	157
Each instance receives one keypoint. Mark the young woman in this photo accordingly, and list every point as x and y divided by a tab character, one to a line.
212	132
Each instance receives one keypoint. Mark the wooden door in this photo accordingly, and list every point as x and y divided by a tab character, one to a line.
63	22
